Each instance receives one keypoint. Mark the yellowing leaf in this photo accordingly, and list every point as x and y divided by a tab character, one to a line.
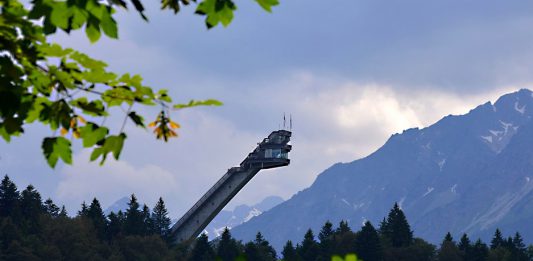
174	125
63	132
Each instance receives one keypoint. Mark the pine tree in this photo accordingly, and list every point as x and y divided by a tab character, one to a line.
63	213
227	249
51	208
134	222
83	212
263	249
160	219
310	248
31	207
9	197
343	228
465	247
326	241
367	244
202	250
480	251
96	215
148	227
289	252
497	240
448	250
519	248
115	225
397	229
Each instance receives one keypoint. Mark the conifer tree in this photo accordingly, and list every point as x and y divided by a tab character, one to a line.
148	225
115	224
51	208
449	250
228	249
9	197
326	243
497	240
465	247
202	250
519	248
31	207
367	245
83	212
63	213
96	215
264	250
480	251
160	219
397	228
134	222
289	252
309	249
343	228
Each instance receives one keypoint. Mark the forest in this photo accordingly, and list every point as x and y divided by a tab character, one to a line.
35	229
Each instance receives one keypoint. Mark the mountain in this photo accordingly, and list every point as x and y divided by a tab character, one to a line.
239	215
464	174
121	204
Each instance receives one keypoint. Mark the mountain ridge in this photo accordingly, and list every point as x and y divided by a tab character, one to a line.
433	173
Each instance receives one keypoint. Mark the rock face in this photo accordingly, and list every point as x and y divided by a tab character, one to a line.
464	174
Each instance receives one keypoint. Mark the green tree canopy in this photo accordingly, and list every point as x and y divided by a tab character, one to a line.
72	93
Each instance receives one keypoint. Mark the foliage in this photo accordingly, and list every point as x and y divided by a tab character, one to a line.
55	236
70	92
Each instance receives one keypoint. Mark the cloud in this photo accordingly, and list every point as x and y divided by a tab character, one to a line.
84	181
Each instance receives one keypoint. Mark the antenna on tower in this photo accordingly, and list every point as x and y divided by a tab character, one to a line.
290	122
284	121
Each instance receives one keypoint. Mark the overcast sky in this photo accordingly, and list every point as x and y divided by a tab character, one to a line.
351	73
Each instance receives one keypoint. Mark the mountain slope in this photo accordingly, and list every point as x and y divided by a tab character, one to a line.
469	173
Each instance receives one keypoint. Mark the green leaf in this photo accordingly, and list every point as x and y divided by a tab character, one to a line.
216	11
60	15
91	134
112	144
137	119
55	148
94	108
267	4
92	29
109	26
193	103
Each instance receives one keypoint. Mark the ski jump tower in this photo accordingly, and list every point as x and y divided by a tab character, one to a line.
272	152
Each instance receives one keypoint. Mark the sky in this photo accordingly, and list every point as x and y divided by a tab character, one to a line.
351	74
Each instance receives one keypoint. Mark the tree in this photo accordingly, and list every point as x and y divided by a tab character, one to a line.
58	87
465	247
309	249
228	249
9	197
31	208
519	252
51	208
449	250
148	226
289	252
367	245
480	251
326	239
160	219
397	229
134	222
343	228
262	249
97	217
497	240
115	224
202	250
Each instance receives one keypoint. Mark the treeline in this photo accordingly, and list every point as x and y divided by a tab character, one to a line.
33	229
